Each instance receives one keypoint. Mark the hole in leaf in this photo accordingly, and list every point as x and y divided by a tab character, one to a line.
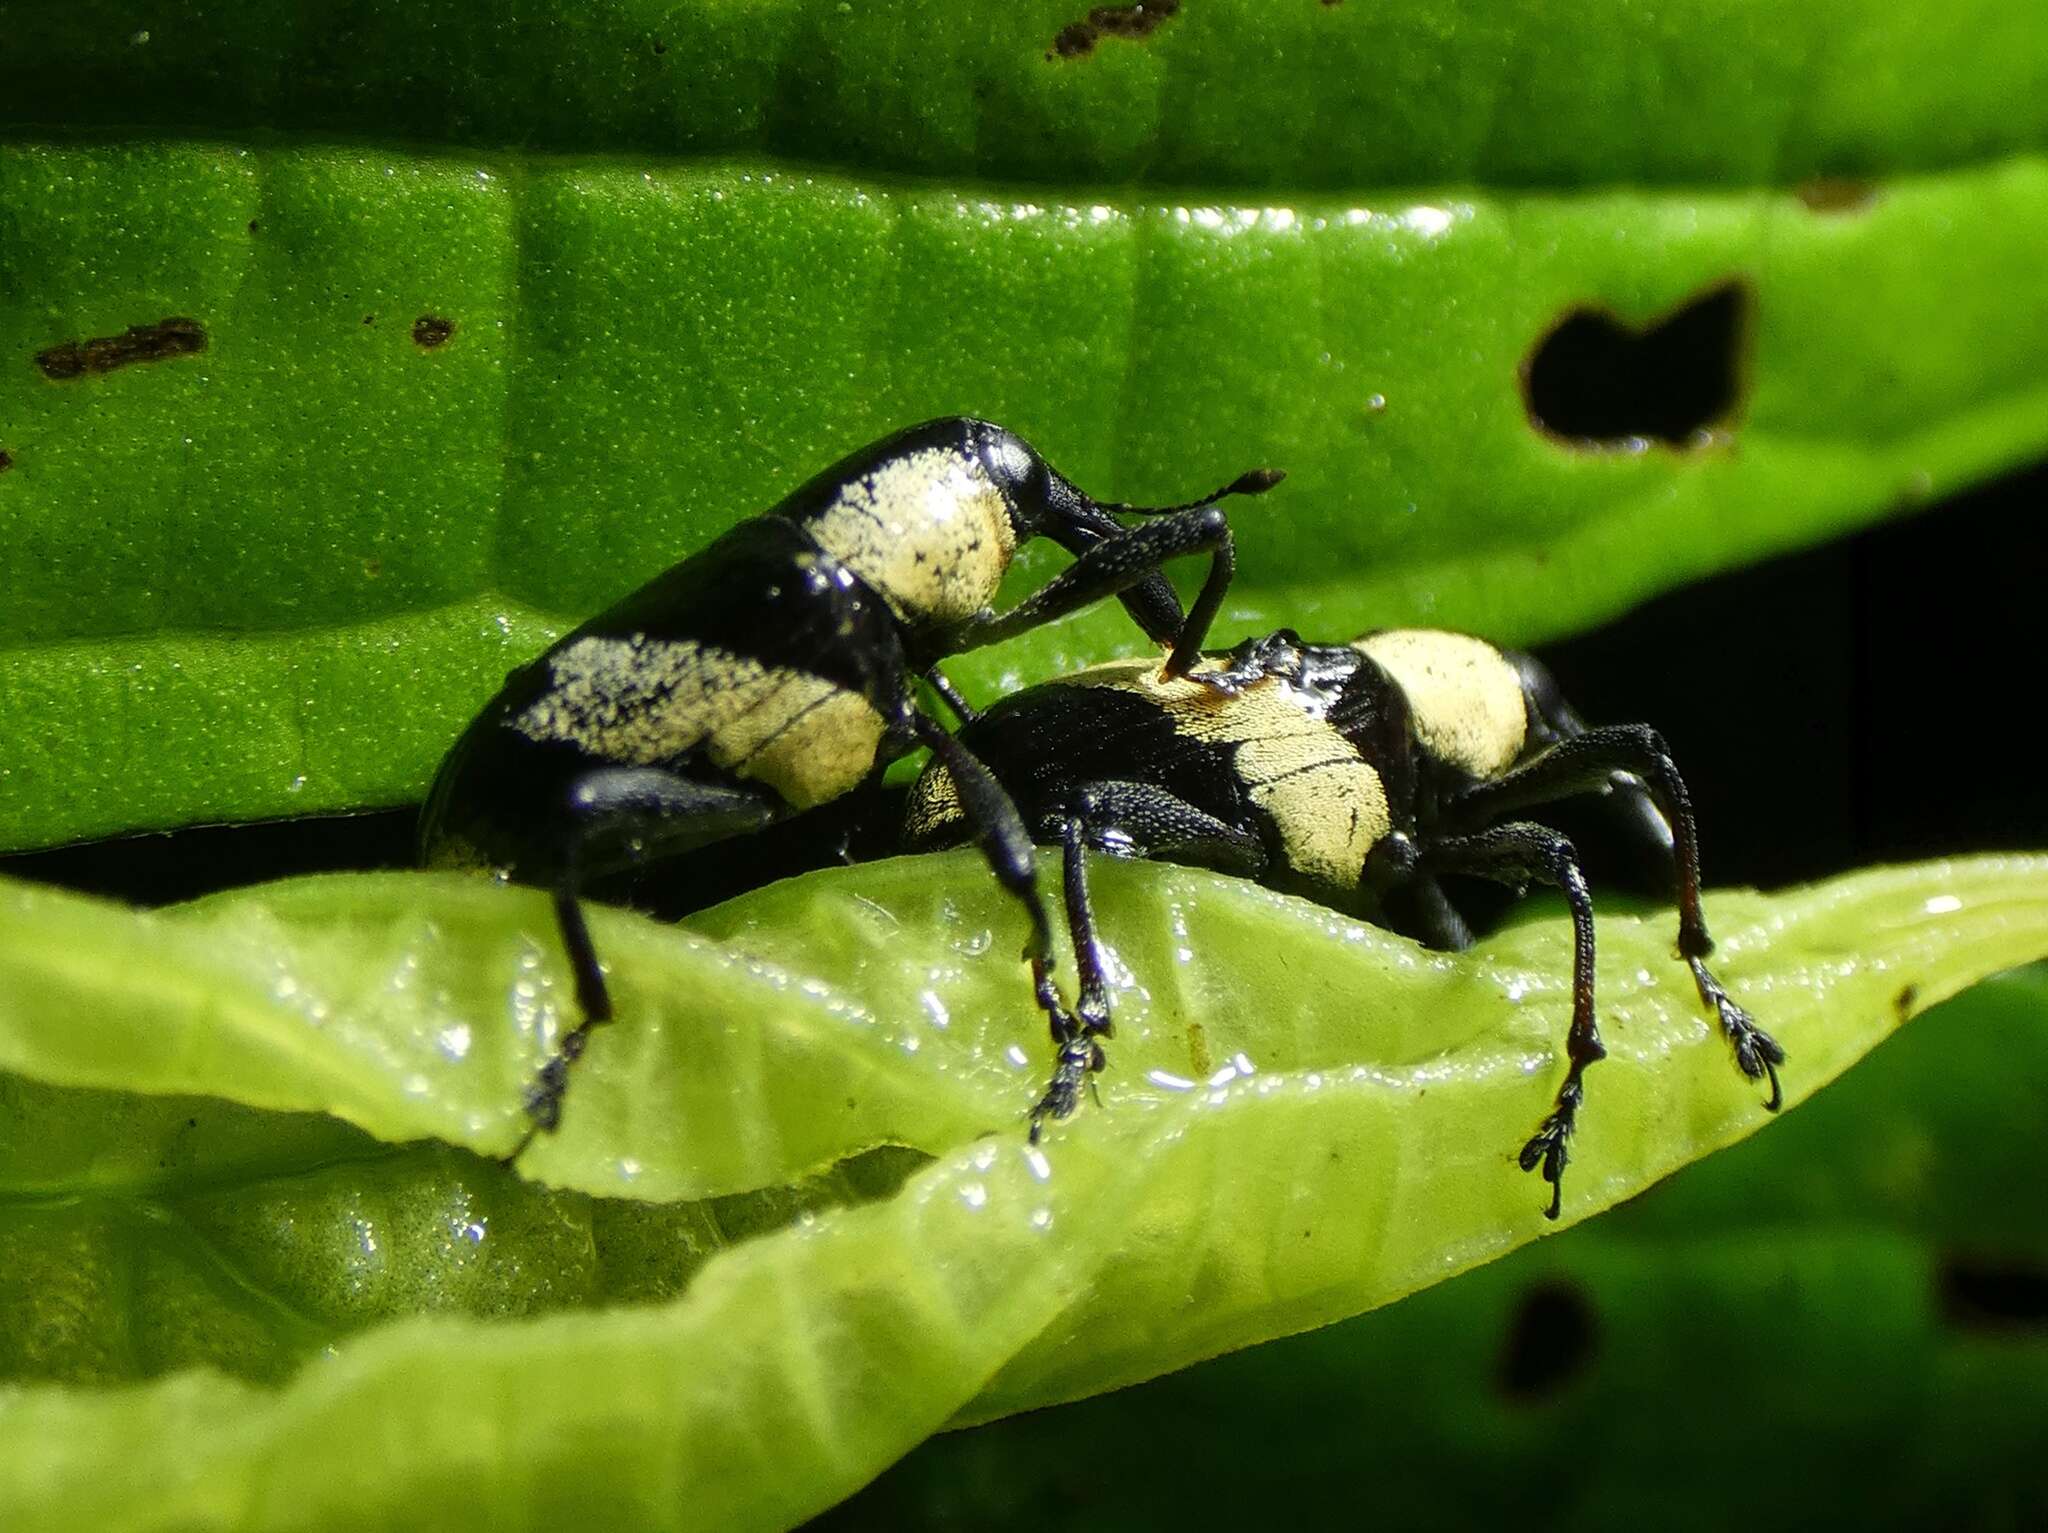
1982	1295
1597	381
1551	1340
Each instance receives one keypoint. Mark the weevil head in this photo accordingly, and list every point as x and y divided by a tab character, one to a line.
1044	503
931	517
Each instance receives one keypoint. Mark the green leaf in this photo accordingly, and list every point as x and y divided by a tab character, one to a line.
273	577
139	1235
1224	92
1856	1292
1365	1152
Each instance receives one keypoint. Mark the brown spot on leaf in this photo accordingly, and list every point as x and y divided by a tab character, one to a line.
1135	22
1904	1002
660	46
1837	194
1978	1294
1198	1050
6	460
1595	381
175	336
253	226
1073	40
369	319
431	330
1552	1338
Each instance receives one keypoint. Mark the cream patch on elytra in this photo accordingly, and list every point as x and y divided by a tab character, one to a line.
1464	698
1329	806
927	530
639	701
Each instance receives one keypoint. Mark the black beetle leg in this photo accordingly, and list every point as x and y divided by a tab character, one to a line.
1408	898
621	815
1552	720
998	829
1078	1056
1194	632
1187	649
1127	819
1082	523
1152	602
1420	909
1111	567
1275	654
1588	763
962	710
1519	854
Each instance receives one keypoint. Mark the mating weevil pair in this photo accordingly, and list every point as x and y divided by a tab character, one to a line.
772	672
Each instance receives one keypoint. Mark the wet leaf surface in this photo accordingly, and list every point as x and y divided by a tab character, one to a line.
1333	1158
1861	1289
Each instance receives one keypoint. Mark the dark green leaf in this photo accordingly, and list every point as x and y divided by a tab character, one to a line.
273	576
1221	93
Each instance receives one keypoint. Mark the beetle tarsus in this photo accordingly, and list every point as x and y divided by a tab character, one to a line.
1079	1060
1550	1148
1757	1053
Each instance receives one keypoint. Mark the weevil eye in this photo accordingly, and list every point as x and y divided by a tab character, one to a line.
1010	463
1021	475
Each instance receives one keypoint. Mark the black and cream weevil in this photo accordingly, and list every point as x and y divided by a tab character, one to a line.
772	670
1356	774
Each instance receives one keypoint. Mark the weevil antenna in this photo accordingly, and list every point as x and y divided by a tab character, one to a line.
1256	482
